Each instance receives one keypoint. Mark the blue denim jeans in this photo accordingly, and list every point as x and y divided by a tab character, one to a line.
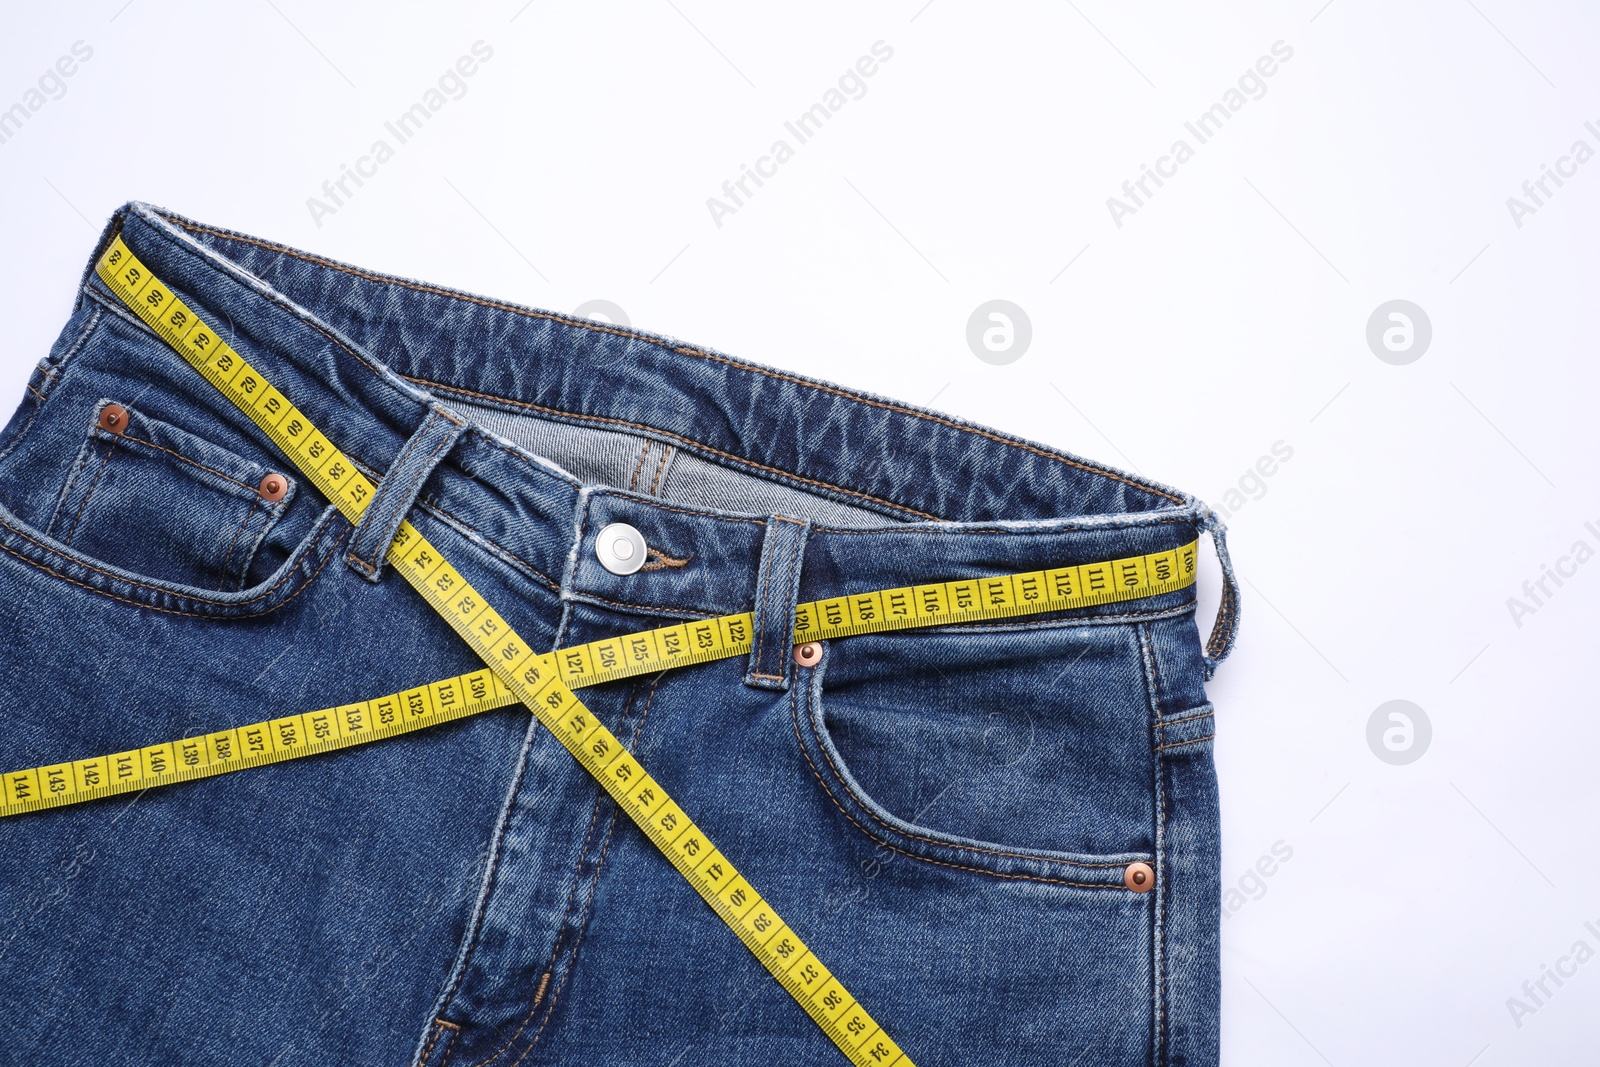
945	816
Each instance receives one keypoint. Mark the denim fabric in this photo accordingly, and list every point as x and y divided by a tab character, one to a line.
945	815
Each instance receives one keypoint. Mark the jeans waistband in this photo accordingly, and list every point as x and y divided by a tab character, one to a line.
895	495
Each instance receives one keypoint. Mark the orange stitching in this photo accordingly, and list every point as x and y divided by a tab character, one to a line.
566	913
795	709
987	528
139	584
226	556
422	471
494	547
605	849
687	441
666	454
196	463
1162	724
687	351
173	611
439	1026
1180	744
661	561
544	979
634	480
84	503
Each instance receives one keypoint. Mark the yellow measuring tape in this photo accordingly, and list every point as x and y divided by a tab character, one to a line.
544	681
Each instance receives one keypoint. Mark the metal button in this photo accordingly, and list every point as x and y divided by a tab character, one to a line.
808	654
620	548
273	488
113	419
1139	877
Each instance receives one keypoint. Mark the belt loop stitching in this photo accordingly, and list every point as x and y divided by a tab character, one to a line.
1225	630
398	491
776	592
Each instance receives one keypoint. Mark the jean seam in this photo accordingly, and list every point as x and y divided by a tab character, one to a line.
129	581
605	849
249	513
661	467
683	441
689	350
633	481
73	472
439	1027
77	344
181	596
1180	744
570	951
192	462
1162	724
83	504
794	703
1159	956
422	472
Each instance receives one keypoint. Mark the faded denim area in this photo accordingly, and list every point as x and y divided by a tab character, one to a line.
945	816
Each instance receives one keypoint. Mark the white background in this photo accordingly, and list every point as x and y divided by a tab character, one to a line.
1227	314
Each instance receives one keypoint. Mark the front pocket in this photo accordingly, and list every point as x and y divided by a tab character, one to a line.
148	497
1018	753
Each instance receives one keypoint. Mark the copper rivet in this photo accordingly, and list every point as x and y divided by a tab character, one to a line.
113	419
808	654
1139	877
273	487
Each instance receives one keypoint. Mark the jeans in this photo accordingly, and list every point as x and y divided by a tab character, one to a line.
946	816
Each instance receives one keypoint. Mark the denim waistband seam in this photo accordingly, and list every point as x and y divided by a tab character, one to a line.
1055	622
77	343
1135	521
683	442
693	352
490	545
466	529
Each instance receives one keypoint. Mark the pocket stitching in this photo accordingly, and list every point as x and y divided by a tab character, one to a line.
78	342
192	462
794	703
73	473
249	556
131	443
169	592
88	493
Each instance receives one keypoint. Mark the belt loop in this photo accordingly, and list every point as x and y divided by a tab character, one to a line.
399	489
1226	627
777	590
